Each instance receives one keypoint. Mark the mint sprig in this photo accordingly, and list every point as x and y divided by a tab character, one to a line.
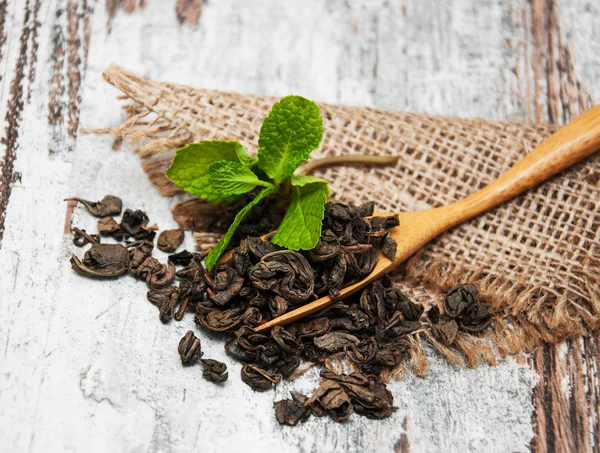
220	171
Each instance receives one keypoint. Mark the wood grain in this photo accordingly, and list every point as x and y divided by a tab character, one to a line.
566	419
66	364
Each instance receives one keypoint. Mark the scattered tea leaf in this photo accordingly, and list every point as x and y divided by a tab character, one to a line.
446	331
109	205
259	379
331	399
133	223
290	412
214	371
102	261
189	349
81	238
170	240
182	258
108	226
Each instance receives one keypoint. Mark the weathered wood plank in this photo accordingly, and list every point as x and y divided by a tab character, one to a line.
84	367
564	76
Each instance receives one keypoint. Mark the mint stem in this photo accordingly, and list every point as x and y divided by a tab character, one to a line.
265	184
350	159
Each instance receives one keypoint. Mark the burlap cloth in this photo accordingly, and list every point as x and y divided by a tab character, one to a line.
536	259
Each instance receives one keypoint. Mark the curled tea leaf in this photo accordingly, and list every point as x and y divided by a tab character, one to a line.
461	304
81	238
214	371
108	226
140	252
286	273
223	284
446	331
335	341
190	349
102	261
291	412
388	247
109	205
331	399
459	299
170	240
133	223
182	258
259	379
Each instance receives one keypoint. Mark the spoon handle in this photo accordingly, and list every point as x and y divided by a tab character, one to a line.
567	146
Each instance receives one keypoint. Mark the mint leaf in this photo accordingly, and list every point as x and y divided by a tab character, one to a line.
302	180
243	155
190	167
301	226
292	129
232	178
217	251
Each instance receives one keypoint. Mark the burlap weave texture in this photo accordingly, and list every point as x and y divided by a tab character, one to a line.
536	258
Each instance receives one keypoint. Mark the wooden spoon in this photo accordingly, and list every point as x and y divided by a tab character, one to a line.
568	145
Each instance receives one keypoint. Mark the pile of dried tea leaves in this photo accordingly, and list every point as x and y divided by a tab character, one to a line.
371	330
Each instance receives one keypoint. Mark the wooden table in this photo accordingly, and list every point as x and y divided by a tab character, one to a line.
86	366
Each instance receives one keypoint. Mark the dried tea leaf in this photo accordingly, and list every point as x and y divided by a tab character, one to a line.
224	284
476	318
327	248
108	226
461	304
286	273
459	299
81	238
164	277
290	412
189	349
214	371
446	331
218	321
102	261
378	223
141	252
133	223
371	399
183	258
388	247
331	399
433	314
170	240
259	379
335	341
109	205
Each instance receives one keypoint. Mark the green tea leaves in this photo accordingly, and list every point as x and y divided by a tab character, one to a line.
233	178
190	167
217	251
220	171
243	155
302	180
291	131
301	226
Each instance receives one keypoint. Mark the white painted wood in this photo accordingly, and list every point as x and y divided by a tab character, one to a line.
87	366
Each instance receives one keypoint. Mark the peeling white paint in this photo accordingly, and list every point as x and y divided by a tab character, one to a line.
87	366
